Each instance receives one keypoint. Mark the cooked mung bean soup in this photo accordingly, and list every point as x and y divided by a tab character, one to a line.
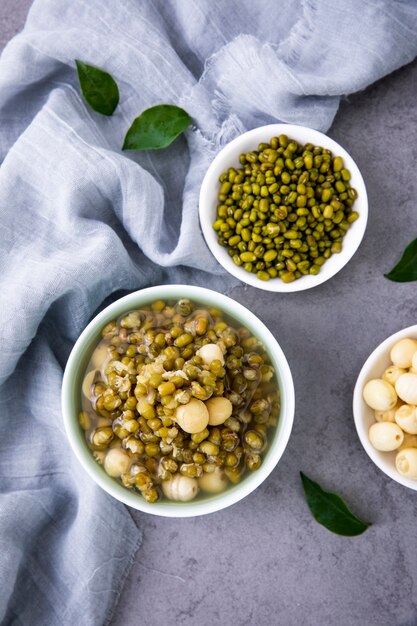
178	399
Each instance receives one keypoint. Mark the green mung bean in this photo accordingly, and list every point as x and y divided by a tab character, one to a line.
284	196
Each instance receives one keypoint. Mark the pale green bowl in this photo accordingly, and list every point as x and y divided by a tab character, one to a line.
71	399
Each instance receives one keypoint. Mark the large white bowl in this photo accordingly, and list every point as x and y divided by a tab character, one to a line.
71	394
374	367
229	157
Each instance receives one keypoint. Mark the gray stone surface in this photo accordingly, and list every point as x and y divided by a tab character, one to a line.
12	18
264	560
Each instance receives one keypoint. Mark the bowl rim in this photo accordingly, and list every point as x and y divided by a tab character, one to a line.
379	458
75	365
229	153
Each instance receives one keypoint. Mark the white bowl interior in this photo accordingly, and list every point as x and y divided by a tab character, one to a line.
363	415
75	371
229	157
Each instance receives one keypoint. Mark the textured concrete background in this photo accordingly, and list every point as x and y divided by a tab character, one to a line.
265	561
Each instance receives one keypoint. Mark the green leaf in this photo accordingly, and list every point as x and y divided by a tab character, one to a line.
406	268
330	510
99	89
156	128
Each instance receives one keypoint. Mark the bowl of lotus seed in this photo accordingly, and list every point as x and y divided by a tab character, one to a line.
283	207
385	406
177	400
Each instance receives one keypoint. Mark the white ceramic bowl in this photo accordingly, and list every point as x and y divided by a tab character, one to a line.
75	371
229	157
374	367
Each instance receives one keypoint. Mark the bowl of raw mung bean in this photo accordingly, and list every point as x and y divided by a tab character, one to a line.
283	207
177	400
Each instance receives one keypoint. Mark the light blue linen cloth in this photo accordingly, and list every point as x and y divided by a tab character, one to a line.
81	221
